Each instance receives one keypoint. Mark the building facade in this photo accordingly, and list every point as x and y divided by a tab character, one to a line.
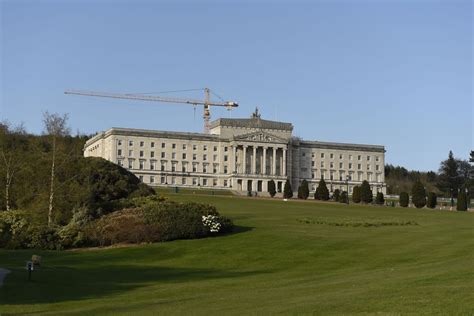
239	154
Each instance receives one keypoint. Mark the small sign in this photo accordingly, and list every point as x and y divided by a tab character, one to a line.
30	266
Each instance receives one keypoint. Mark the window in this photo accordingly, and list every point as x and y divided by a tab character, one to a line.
130	143
312	163
162	180
119	142
359	157
163	166
163	145
152	144
119	152
184	147
322	164
332	176
214	169
303	154
312	155
183	181
142	164
312	175
350	157
130	164
359	166
194	147
173	167
225	183
141	178
120	162
163	155
183	168
142	144
225	148
341	156
130	153
204	182
341	165
368	167
195	167
184	155
350	165
194	181
331	165
368	158
377	167
225	169
194	156
214	158
152	179
331	156
204	168
214	182
173	155
173	146
204	147
141	153
152	165
215	148
152	154
204	157
225	158
376	158
322	155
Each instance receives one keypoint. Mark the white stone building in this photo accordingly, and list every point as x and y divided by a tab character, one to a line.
239	154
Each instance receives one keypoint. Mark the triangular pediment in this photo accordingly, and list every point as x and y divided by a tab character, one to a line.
260	136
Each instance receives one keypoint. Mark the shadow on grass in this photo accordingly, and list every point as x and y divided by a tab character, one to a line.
62	283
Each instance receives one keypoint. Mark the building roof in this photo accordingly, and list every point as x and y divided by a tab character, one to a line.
342	146
254	122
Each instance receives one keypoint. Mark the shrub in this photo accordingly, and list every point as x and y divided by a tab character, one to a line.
336	195
13	229
432	200
356	194
404	199
343	198
43	237
271	188
379	198
365	192
462	201
303	190
287	190
322	192
418	195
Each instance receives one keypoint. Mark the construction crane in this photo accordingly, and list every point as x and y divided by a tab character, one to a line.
206	103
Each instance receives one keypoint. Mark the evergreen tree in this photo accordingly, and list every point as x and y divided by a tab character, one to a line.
432	200
343	197
303	190
322	192
462	201
379	199
365	192
404	199
471	158
356	194
271	188
336	195
287	190
418	194
449	178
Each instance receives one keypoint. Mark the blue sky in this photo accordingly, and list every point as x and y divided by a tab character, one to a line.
395	73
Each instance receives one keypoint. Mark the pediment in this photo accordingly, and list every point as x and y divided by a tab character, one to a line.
260	136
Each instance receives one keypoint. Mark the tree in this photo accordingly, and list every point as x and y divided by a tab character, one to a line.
449	178
13	145
55	126
432	200
287	190
303	190
271	188
379	198
356	194
462	201
322	192
336	195
471	158
418	194
343	197
365	192
404	199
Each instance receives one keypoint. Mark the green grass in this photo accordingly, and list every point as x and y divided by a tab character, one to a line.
280	261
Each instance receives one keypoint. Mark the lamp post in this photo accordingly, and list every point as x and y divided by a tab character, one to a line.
452	198
347	183
468	200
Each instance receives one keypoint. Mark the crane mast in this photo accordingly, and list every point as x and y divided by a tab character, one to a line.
207	103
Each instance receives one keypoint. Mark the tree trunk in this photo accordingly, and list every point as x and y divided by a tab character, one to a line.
7	190
51	192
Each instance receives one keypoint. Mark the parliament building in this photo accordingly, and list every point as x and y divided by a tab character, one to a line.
240	155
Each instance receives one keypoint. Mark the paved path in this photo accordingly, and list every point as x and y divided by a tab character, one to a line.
3	274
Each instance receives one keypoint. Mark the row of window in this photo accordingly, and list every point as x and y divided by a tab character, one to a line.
359	177
341	165
341	156
183	181
173	155
173	146
152	166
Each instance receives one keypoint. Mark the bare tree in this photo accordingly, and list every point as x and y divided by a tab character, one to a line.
55	126
10	143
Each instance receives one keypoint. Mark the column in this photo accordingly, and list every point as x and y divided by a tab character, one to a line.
244	160
284	161
234	156
254	160
274	162
264	164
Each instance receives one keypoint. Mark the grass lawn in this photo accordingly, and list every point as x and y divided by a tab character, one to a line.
286	257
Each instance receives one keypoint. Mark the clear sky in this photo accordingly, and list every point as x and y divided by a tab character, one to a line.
395	73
